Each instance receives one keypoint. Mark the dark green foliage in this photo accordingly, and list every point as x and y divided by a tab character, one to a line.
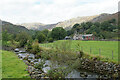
40	65
103	30
41	37
13	29
23	37
60	72
70	32
58	33
6	37
45	32
112	21
50	39
35	47
76	25
29	45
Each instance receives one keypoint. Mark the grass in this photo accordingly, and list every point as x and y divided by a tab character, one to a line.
0	65
0	60
106	47
12	67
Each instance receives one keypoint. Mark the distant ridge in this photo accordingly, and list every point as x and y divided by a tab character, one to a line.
67	24
14	29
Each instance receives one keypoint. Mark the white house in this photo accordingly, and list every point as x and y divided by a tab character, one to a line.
83	37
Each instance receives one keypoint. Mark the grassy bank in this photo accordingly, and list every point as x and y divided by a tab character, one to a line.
12	67
0	64
105	48
0	59
77	61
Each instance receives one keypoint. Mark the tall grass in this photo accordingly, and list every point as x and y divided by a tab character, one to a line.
105	47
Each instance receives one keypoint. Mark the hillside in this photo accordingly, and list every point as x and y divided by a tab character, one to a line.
67	24
14	29
38	26
105	17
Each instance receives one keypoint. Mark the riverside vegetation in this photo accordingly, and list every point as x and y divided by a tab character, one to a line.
86	46
62	54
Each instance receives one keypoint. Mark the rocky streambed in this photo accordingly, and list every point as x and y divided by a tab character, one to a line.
86	67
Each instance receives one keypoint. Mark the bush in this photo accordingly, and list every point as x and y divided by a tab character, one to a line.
29	45
50	39
41	37
22	38
57	72
35	47
40	65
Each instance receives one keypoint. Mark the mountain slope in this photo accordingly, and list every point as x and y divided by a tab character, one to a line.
14	29
67	24
105	17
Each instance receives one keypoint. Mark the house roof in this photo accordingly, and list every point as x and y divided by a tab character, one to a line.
87	35
67	37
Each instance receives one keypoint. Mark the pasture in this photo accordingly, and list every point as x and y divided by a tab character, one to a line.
12	67
106	49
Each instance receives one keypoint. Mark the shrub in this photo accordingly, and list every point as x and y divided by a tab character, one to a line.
35	47
41	37
22	38
57	72
29	46
40	65
50	39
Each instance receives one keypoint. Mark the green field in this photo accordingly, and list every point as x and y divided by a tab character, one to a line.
0	60
103	48
12	67
0	64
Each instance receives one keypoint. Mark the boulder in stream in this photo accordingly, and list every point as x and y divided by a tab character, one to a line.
16	50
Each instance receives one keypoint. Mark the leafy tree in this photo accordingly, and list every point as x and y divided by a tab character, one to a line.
23	37
6	36
70	32
58	33
76	25
35	47
112	21
49	34
41	37
29	45
45	32
50	39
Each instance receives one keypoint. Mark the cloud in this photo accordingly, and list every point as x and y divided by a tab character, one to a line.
52	11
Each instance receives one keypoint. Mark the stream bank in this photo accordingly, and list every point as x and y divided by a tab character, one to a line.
100	69
31	60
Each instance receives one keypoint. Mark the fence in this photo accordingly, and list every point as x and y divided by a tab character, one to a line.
110	54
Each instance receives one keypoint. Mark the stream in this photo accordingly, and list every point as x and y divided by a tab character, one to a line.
22	54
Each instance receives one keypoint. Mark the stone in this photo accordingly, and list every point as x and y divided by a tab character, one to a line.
16	50
30	69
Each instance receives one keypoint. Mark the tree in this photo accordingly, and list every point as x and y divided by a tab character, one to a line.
112	21
70	32
35	47
50	39
58	33
22	38
41	37
45	32
75	26
6	37
29	45
107	26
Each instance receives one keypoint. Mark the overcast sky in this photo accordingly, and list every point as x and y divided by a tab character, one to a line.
53	11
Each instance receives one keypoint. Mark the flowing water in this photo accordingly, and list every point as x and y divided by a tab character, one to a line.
73	74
